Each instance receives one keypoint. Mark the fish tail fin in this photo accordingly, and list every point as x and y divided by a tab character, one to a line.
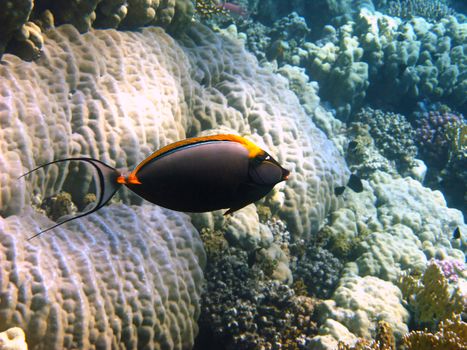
107	186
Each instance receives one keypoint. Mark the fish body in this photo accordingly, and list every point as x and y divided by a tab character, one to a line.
354	183
194	175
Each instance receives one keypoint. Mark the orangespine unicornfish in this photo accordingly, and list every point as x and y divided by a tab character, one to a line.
195	175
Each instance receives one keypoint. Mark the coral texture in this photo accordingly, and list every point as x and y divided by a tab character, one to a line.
19	30
390	60
430	297
125	277
243	309
451	335
13	339
434	9
437	135
393	134
119	96
320	271
394	226
360	302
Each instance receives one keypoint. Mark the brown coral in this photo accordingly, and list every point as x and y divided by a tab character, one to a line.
384	340
451	335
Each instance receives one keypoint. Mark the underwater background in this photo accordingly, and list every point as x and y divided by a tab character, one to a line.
328	87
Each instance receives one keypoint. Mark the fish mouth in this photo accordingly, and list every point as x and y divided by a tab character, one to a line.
285	174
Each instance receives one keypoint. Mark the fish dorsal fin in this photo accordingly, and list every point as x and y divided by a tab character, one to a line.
253	149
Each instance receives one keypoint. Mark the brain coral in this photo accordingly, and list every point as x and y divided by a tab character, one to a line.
126	277
117	96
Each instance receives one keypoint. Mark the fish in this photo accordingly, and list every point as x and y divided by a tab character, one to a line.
352	145
457	233
196	175
354	183
233	8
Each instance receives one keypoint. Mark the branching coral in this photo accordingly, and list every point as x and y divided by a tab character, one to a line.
451	335
242	309
393	134
430	298
432	10
319	269
439	136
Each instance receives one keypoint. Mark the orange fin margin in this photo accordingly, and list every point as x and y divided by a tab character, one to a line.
253	149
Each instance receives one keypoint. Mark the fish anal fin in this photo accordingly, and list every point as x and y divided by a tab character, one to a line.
232	210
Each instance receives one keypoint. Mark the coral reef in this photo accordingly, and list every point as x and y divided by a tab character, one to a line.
120	115
117	96
362	155
384	340
451	268
442	141
451	335
23	36
58	205
430	298
432	10
122	277
319	269
359	303
393	134
383	59
316	13
242	308
438	137
395	225
13	339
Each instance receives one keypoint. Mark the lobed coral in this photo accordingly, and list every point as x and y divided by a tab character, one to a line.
226	93
359	303
117	96
400	61
393	225
13	339
23	36
124	277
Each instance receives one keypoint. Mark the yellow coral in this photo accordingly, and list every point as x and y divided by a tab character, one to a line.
429	296
209	8
451	335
